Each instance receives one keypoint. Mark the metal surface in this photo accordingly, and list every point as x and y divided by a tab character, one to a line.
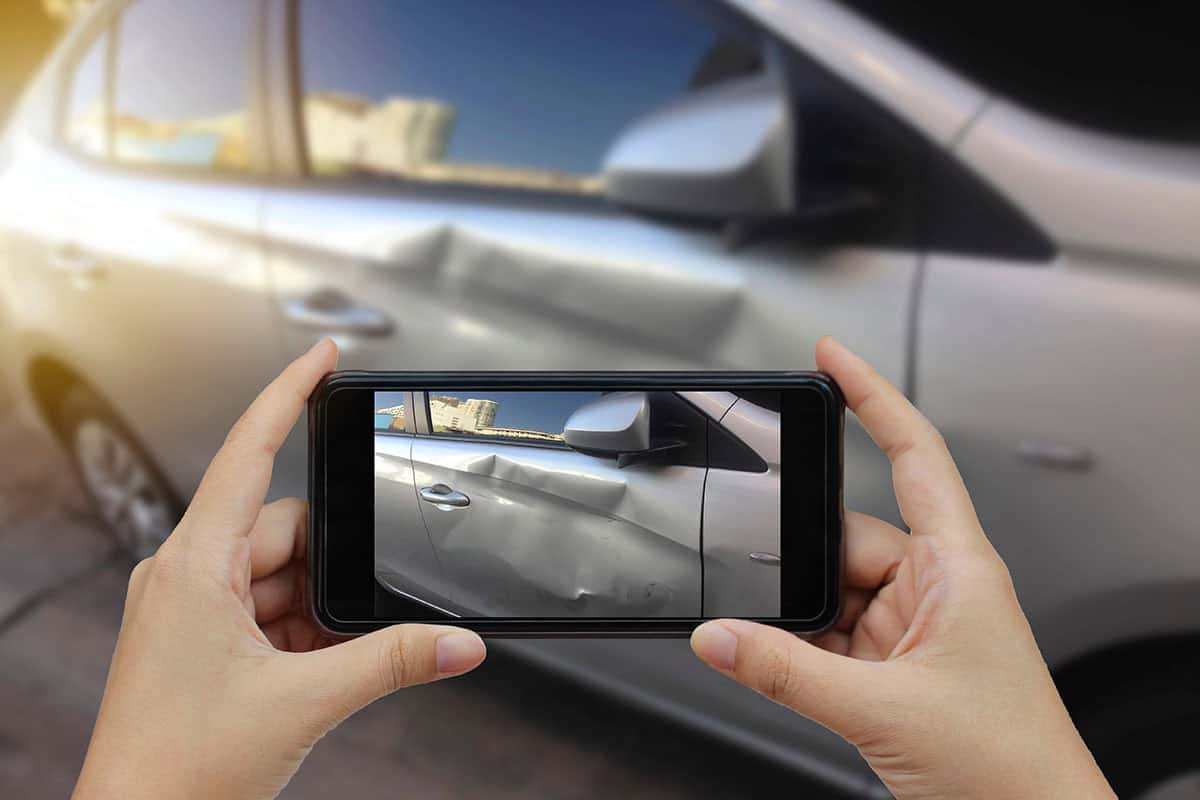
1091	190
615	423
741	517
726	151
333	312
443	497
405	560
552	532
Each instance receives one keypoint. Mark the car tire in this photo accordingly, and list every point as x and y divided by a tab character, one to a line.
1141	724
126	489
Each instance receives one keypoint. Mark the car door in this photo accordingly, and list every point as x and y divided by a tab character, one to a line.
440	203
140	264
742	532
525	526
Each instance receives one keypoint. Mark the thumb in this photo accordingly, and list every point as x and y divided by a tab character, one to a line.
355	673
830	689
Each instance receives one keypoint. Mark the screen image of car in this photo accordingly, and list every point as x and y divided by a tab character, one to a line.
568	504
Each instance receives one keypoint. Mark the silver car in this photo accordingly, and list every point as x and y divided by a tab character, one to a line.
191	193
480	520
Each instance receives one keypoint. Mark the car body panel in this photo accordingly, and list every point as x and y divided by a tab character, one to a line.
169	260
404	556
742	516
1091	190
556	533
1083	452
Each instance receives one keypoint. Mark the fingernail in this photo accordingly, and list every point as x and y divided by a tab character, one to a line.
716	644
319	343
458	651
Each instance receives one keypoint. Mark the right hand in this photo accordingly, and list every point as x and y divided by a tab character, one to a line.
932	671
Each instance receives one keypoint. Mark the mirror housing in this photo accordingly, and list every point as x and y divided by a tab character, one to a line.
725	151
612	425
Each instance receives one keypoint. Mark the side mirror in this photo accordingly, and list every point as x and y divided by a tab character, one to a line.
612	425
726	151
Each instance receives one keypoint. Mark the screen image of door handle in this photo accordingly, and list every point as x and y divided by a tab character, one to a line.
334	311
442	495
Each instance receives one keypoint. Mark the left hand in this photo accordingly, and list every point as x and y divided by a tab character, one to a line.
221	684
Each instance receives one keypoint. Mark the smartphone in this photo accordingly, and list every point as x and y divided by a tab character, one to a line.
575	504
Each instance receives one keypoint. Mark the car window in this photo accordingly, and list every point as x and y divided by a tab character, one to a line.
180	84
84	124
523	95
532	417
389	411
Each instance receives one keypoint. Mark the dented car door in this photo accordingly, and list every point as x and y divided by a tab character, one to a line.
536	529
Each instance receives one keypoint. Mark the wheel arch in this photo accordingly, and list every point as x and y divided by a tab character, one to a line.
48	379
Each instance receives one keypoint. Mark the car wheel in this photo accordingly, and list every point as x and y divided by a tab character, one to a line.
1141	727
127	491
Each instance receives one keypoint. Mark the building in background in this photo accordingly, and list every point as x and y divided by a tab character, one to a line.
391	418
395	136
456	414
409	138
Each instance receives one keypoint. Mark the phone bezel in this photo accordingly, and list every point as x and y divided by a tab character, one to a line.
337	575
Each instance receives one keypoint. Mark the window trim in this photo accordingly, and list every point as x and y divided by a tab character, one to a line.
107	21
83	38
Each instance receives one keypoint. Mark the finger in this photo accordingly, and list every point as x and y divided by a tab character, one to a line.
295	632
874	550
279	593
929	489
360	671
235	484
831	689
854	603
279	536
835	641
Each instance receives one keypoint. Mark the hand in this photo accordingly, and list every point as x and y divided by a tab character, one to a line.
220	684
931	670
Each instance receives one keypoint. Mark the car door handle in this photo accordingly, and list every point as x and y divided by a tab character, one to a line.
442	495
1058	455
334	310
73	260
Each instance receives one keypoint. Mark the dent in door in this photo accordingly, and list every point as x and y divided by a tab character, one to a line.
556	533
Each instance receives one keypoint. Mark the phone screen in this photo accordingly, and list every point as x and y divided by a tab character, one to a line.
582	502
